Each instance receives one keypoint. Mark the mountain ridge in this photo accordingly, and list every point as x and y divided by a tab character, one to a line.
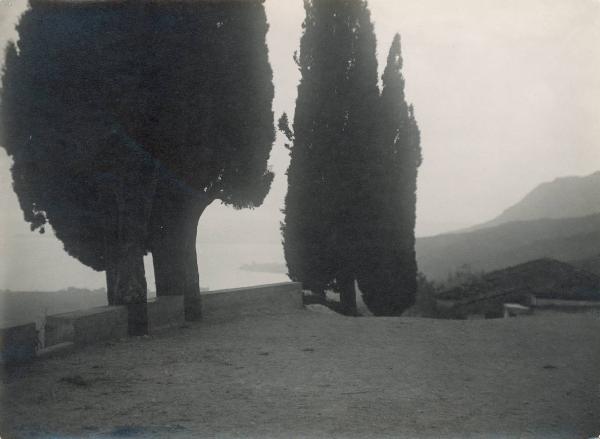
496	247
563	197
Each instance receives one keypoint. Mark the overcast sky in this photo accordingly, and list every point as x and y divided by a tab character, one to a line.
506	93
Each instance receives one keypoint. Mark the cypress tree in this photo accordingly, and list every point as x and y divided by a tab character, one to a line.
125	120
68	111
213	130
389	278
332	132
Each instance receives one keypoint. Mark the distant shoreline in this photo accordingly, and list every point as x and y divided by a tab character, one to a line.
269	267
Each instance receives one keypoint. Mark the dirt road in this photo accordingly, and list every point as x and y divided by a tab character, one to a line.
311	375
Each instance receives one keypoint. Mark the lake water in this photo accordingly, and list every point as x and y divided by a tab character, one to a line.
31	262
36	265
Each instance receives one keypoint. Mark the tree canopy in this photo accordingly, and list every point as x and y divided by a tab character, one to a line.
122	118
327	178
69	112
389	278
350	207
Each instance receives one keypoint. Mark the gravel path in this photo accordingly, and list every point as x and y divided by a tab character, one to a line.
313	375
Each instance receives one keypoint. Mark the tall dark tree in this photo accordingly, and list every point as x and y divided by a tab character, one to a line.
68	122
332	131
389	277
125	120
213	129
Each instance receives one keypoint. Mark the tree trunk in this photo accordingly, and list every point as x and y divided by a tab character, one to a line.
125	277
173	243
346	286
126	282
320	292
128	196
191	292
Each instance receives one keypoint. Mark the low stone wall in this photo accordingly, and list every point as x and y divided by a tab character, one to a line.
65	331
269	299
566	304
516	310
163	312
552	306
86	326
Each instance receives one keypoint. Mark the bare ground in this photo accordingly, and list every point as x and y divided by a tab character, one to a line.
312	375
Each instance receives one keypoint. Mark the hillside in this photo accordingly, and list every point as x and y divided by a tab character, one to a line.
566	197
492	248
543	278
589	264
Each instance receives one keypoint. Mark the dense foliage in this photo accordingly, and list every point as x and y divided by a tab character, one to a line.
71	116
389	281
331	141
125	120
350	207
